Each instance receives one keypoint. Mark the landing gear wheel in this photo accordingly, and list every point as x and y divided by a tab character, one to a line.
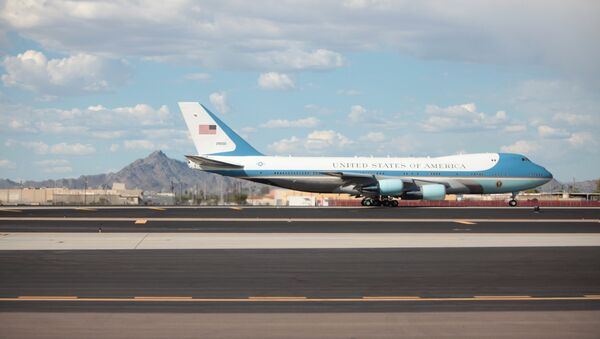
362	202
367	202
394	203
512	203
376	202
385	203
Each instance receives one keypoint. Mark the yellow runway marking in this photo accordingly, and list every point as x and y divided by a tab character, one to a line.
236	208
392	297
302	299
89	209
43	297
276	298
501	296
14	210
157	208
162	298
141	221
465	222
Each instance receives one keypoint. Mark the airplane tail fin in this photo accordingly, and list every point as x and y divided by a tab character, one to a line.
210	135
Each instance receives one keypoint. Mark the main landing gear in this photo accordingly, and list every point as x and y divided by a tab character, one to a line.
379	202
513	201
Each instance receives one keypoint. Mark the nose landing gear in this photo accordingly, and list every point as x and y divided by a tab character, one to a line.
513	201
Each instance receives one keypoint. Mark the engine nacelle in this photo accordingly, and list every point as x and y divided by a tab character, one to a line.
390	187
433	192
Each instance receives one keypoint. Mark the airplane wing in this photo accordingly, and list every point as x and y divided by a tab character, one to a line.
354	178
367	182
206	162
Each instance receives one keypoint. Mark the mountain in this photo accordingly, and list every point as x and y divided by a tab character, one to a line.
580	186
7	183
156	172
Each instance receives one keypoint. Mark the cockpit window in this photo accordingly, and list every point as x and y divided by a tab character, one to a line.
525	159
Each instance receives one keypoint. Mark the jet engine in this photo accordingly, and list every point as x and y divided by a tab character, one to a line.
433	192
390	187
427	192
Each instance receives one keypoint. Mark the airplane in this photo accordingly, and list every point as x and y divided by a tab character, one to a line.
379	181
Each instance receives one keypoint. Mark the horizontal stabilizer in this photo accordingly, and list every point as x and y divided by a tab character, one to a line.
206	162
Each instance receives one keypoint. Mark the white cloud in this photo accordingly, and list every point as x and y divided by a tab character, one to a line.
358	114
298	59
582	139
274	80
574	119
108	134
324	139
36	146
311	34
114	147
80	73
7	164
316	142
54	166
219	101
363	116
521	147
165	133
546	131
289	145
464	117
284	123
144	114
515	128
373	137
60	148
96	121
198	76
58	128
72	149
139	144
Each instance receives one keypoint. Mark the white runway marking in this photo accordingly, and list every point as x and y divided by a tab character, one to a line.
141	241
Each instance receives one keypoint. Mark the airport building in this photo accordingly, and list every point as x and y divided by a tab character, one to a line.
118	194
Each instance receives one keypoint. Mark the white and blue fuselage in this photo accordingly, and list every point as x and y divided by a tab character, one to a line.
223	152
466	173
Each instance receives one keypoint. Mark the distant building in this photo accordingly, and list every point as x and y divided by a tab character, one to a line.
117	195
158	198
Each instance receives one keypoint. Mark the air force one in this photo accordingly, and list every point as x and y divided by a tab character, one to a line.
380	181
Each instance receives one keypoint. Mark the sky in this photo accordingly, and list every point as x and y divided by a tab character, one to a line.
89	86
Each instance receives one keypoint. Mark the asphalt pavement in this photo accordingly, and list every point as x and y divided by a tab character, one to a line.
349	280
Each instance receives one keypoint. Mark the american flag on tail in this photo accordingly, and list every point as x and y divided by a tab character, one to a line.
207	129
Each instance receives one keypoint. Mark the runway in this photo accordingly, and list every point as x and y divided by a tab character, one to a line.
300	220
350	266
441	279
304	212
